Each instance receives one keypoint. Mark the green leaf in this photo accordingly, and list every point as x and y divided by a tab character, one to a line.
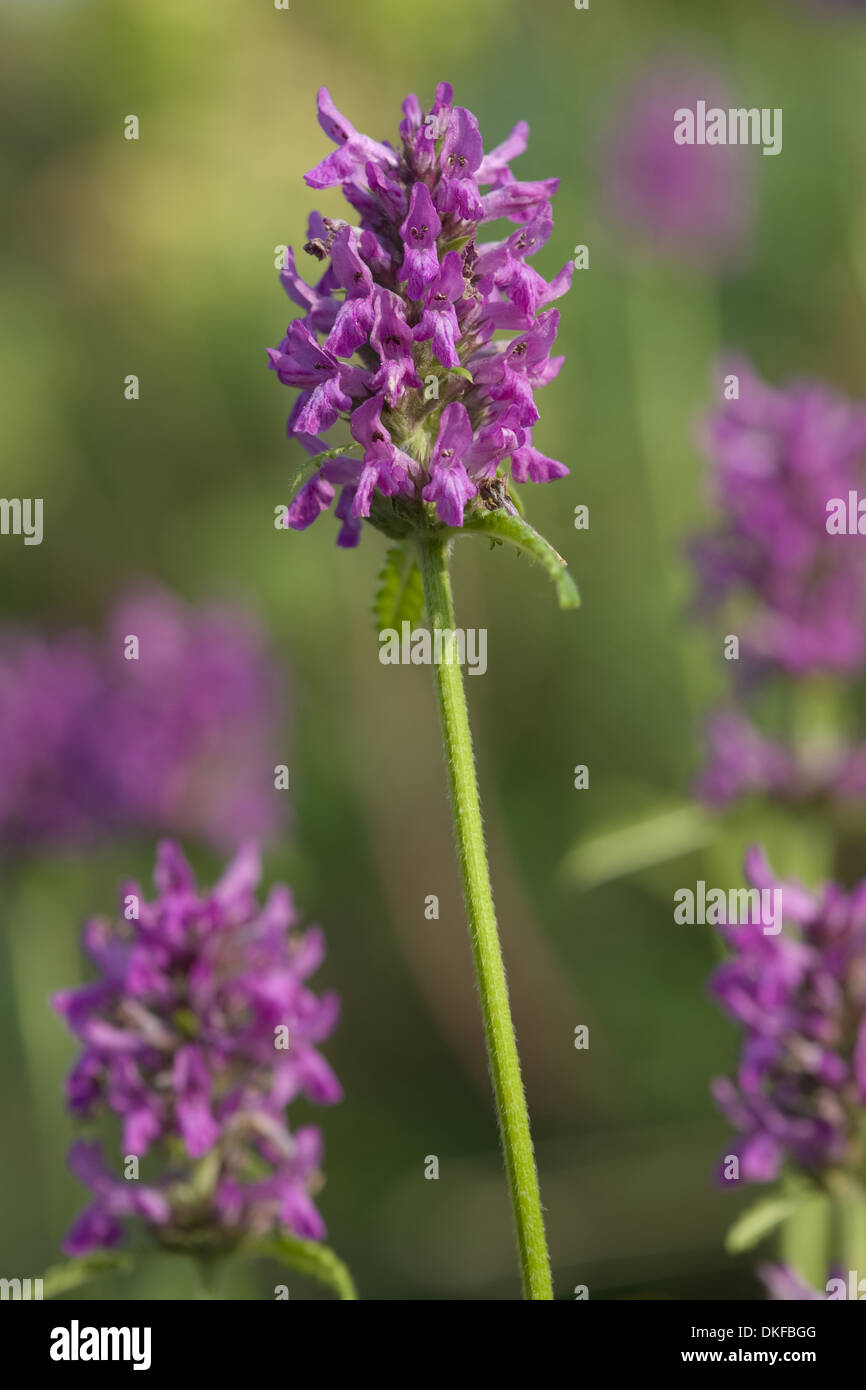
639	844
389	517
805	1237
457	243
301	474
762	1218
307	1257
400	594
515	497
462	371
308	466
502	526
72	1273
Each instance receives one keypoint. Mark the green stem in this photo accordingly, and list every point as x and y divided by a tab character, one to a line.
211	1269
849	1211
489	968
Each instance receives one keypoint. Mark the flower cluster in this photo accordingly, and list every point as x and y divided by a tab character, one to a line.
692	203
800	995
197	1033
742	761
780	458
397	335
93	744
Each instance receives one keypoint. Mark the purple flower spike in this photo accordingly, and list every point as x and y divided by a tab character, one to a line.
799	992
196	1035
785	566
409	314
686	202
779	458
94	746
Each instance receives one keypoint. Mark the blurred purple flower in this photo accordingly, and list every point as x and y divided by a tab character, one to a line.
196	1034
434	403
797	593
190	726
800	995
50	792
778	458
687	202
784	1285
93	744
742	761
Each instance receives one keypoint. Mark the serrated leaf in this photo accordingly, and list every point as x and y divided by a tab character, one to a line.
400	593
502	525
389	517
301	475
72	1273
761	1219
308	466
308	1257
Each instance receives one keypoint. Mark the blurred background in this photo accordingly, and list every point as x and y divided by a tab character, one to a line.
156	257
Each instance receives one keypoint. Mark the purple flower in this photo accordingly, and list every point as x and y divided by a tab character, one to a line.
784	460
800	996
779	457
329	384
99	1226
743	761
405	316
188	731
784	1285
439	320
418	234
450	486
50	791
94	745
503	266
385	466
462	153
348	162
691	202
356	315
197	1033
519	201
391	338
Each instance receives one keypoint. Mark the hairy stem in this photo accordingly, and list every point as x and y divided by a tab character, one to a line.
489	968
